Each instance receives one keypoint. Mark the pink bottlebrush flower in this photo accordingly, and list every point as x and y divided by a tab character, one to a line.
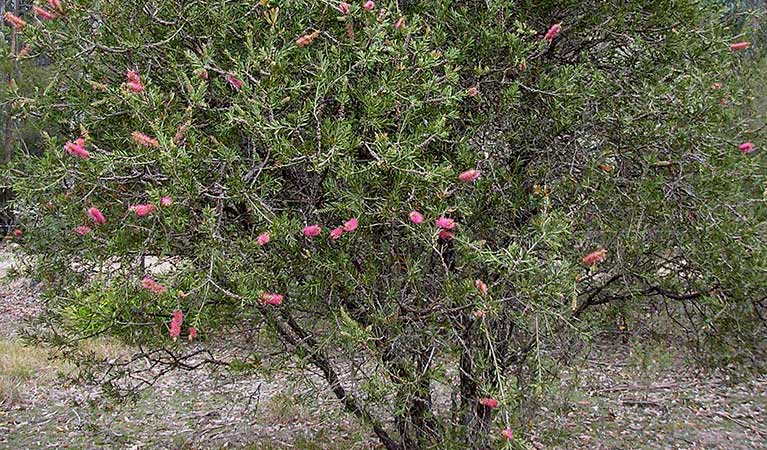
445	223
472	91
553	32
350	31
479	314
312	230
351	225
344	8
166	201
13	20
135	87
176	320
43	13
17	233
150	284
738	46
25	50
271	299
399	23
56	5
445	235
77	148
82	230
235	82
336	233
180	133
481	286
307	39
144	209
192	333
416	217
508	433
144	140
469	175
132	76
489	402
716	86
96	216
595	257
201	73
369	5
746	147
263	239
134	81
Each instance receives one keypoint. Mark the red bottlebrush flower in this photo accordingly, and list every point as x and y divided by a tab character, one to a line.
399	23
17	233
738	46
166	201
150	284
144	140
489	402
724	102
263	239
553	32
77	148
481	286
177	318
472	91
344	8
479	314
56	5
271	299
445	235
351	225
235	82
143	210
716	86
82	230
469	175
96	216
25	50
369	5
508	433
43	13
336	233
445	223
192	333
13	20
595	257
312	230
350	31
415	217
746	147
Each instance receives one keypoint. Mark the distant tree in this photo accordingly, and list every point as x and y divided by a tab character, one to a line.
424	193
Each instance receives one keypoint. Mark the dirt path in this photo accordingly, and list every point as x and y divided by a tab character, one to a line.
617	398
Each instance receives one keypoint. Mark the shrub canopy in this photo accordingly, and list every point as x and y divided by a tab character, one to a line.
620	131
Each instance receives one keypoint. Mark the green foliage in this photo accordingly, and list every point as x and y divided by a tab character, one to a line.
609	136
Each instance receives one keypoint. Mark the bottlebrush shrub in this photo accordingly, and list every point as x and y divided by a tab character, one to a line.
426	191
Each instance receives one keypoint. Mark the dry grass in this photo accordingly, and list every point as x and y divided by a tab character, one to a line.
21	365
